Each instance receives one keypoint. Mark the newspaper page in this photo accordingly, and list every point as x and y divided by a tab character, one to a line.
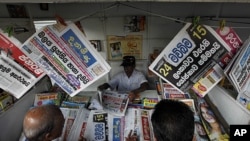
18	72
139	121
97	127
48	98
114	102
232	39
104	127
66	56
79	126
244	99
211	124
193	52
69	116
240	73
199	131
117	131
170	92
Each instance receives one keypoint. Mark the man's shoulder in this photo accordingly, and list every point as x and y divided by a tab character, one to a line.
138	71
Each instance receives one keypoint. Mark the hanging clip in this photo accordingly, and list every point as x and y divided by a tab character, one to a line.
196	20
60	20
9	30
222	24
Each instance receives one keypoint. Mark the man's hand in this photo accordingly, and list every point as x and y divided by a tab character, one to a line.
132	136
103	87
133	96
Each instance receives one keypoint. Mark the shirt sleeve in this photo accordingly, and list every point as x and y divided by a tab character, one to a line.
114	81
142	77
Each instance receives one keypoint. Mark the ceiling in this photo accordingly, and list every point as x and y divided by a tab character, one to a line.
75	1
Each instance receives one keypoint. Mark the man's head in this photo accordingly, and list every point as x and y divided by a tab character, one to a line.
128	63
43	123
173	120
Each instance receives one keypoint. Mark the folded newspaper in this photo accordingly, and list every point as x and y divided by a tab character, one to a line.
114	102
18	72
193	59
66	56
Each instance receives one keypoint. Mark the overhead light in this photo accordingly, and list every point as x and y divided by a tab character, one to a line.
20	30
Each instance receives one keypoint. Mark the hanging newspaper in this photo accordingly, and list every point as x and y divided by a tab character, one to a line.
67	57
239	73
18	72
192	59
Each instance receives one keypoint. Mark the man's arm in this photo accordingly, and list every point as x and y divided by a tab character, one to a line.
134	93
144	86
103	87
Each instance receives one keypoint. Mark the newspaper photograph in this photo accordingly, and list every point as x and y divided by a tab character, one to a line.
66	56
194	51
18	72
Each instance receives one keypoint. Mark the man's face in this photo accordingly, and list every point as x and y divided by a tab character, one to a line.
129	70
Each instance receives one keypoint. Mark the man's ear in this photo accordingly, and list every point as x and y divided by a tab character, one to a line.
48	137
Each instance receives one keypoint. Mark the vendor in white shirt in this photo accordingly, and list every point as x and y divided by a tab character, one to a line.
130	80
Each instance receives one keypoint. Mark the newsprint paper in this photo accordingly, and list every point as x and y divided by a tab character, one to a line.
192	59
66	56
18	72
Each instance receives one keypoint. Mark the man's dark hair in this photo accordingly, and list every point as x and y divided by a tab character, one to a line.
173	120
128	61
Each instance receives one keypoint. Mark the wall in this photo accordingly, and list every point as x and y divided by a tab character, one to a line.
233	112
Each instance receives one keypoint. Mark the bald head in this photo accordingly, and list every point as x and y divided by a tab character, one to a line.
43	123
